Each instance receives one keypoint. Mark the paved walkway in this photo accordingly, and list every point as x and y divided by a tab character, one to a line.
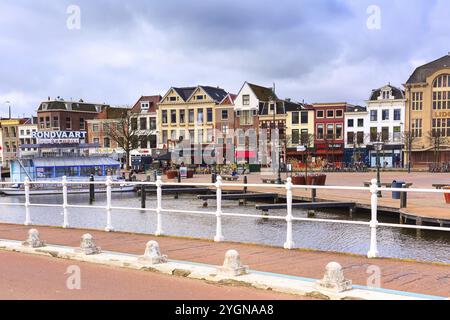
409	276
38	277
426	205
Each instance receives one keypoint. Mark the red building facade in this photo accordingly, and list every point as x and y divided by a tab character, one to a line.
329	132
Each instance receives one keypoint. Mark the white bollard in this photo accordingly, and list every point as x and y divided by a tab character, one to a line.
65	203
219	235
232	265
87	245
33	240
159	231
334	279
152	254
27	202
109	226
373	252
289	244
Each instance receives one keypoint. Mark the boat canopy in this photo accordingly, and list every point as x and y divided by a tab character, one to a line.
74	162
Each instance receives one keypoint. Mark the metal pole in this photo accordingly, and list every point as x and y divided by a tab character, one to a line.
109	226
219	235
27	202
143	196
159	230
289	244
378	173
245	182
91	189
65	212
373	252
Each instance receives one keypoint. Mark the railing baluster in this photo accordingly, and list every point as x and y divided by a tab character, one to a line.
65	213
159	230
373	252
289	242
219	235
109	226
27	202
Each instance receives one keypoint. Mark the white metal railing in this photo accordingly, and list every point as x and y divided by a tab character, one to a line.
219	185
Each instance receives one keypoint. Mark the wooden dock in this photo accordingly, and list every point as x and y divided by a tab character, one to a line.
309	205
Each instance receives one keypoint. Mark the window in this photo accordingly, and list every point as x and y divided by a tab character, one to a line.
191	135
96	141
55	123
417	101
304	117
152	123
191	117
385	114
199	97
373	134
164	116
209	135
360	137
173	99
143	123
173	135
173	116
134	124
225	129
373	115
200	136
304	137
68	123
350	123
441	127
209	115
339	113
397	114
350	137
295	118
330	113
339	131
246	118
320	113
200	116
143	142
106	143
42	122
164	137
224	115
360	123
416	128
153	144
82	124
145	105
385	134
182	113
441	93
295	137
246	99
47	122
95	127
320	132
396	137
330	131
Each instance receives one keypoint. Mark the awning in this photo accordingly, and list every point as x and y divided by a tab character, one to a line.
245	154
325	152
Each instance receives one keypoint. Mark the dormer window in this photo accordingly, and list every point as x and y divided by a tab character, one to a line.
386	94
145	105
44	106
172	99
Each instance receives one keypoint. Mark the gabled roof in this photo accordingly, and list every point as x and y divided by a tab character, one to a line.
184	92
282	106
228	100
216	93
421	73
262	93
396	92
153	100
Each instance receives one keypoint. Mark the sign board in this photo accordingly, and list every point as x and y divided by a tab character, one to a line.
301	148
58	137
183	172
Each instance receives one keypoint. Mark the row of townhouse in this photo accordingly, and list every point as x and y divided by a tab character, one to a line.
413	124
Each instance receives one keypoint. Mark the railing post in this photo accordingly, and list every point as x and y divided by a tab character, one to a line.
109	226
65	213
373	252
159	230
289	244
27	202
219	235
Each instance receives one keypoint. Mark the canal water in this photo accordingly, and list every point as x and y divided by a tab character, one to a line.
392	242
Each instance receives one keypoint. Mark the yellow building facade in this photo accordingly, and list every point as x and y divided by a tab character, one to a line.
428	114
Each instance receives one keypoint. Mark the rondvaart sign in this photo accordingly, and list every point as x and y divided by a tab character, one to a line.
58	137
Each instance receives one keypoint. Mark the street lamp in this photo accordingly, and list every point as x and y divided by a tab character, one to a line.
378	147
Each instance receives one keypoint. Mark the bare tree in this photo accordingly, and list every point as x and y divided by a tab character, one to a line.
124	131
408	138
436	139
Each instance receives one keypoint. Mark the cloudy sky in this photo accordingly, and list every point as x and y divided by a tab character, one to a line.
314	50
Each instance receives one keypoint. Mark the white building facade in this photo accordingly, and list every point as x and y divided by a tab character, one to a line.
25	132
386	117
356	135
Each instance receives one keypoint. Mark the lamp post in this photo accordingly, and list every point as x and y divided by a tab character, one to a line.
378	147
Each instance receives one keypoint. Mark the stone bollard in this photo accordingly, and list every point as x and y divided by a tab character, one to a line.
33	240
334	279
88	246
232	265
152	254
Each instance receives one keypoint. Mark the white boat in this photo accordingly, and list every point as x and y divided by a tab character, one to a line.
53	191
